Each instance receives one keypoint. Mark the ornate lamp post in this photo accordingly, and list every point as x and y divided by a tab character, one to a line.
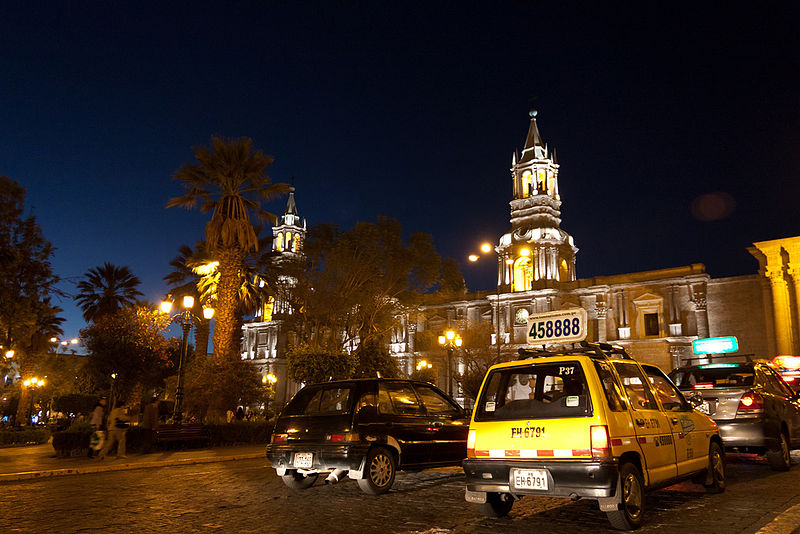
32	383
186	325
450	340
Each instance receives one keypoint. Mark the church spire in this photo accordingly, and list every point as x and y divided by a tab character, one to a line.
534	146
291	207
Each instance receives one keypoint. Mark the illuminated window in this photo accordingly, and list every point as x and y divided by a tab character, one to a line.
296	247
279	242
288	245
523	274
527	184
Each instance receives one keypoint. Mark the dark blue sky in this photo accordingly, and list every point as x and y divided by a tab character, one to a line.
408	111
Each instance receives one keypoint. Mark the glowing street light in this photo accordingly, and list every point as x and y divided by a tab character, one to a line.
450	340
186	325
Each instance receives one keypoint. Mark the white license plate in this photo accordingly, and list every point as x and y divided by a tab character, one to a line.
531	479
303	460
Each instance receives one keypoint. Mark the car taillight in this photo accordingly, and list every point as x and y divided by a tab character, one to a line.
276	438
704	385
751	404
347	436
471	444
599	441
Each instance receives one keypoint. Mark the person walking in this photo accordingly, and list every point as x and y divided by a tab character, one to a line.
118	423
98	427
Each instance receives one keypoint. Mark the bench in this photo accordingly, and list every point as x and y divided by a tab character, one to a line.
183	433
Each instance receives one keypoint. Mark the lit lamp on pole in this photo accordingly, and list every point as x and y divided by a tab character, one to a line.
32	383
186	325
450	341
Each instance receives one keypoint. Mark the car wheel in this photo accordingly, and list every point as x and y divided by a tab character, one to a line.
779	459
496	505
380	469
298	481
629	515
716	469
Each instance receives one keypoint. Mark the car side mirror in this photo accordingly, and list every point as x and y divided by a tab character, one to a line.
694	399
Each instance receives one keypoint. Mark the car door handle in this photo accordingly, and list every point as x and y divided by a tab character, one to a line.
674	420
640	421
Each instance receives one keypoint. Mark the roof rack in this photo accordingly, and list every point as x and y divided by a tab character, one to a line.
711	357
588	348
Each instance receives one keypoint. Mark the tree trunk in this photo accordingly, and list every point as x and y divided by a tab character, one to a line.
227	337
201	332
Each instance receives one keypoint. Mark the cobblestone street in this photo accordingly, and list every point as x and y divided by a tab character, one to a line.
246	496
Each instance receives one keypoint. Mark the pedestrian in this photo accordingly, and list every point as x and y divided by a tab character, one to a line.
118	423
239	413
229	415
98	427
149	424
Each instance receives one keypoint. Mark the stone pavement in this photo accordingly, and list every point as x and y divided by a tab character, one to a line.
40	461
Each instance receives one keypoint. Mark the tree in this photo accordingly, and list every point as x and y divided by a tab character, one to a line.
28	318
216	385
128	351
478	355
106	289
359	284
229	179
374	360
308	365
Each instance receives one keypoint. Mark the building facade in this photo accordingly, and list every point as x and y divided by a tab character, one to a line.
655	314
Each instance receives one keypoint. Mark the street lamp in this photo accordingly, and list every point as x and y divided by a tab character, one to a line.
450	340
186	325
32	383
486	248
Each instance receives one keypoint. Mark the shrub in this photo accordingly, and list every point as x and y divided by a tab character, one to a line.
239	432
71	442
27	436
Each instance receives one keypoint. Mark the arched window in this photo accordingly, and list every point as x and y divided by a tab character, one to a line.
523	274
527	185
279	242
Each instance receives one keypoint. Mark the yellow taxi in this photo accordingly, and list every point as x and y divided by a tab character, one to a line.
588	422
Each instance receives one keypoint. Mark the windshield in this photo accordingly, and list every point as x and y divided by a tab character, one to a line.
535	392
714	375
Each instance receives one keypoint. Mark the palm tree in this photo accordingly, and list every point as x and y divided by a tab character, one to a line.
106	289
184	280
229	180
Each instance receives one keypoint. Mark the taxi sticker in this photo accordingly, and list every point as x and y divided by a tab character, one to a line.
573	400
686	423
490	406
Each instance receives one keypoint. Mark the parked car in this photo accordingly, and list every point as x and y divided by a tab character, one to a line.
789	369
755	409
588	422
366	429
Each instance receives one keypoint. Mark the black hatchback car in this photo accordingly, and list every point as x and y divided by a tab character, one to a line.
756	411
366	429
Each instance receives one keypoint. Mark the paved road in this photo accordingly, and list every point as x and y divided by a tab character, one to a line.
245	496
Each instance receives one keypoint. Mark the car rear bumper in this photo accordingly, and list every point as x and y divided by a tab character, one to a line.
326	458
567	478
744	433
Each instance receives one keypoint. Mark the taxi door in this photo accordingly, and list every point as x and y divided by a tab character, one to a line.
688	427
653	430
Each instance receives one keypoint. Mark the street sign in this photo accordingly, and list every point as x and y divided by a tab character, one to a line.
715	345
562	326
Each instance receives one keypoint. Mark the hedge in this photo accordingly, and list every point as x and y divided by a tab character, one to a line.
27	436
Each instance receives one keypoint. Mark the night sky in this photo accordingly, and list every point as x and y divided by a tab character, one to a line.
410	111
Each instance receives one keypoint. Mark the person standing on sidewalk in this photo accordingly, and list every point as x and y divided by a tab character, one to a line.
149	424
118	423
98	426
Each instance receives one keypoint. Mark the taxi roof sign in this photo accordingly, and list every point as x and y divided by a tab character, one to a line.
560	326
715	345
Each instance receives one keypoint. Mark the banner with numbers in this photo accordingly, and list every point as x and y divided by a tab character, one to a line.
562	326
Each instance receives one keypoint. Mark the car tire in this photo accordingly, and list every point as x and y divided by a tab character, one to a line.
496	505
779	459
298	481
631	507
379	471
716	469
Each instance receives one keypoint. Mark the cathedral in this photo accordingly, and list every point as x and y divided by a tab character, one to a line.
655	314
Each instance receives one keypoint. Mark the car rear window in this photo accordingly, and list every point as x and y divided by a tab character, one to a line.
537	391
328	400
714	375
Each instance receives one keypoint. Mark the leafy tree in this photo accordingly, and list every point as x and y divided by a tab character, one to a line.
308	365
229	179
478	354
130	345
28	318
358	283
216	385
106	289
374	360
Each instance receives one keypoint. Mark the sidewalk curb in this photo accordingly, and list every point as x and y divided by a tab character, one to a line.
30	475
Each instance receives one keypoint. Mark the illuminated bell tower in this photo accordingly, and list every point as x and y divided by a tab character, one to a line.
288	238
536	250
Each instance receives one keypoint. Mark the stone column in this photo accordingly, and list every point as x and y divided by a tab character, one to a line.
775	270
412	337
602	313
700	310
